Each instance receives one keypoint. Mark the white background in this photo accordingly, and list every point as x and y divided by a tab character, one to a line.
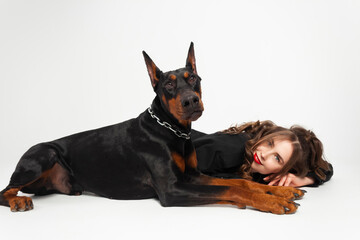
70	66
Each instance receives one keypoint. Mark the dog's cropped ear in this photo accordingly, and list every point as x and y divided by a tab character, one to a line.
153	70
190	61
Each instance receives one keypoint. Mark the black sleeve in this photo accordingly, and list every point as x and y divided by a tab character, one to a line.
220	154
318	180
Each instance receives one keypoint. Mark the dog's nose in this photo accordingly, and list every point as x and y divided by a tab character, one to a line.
190	101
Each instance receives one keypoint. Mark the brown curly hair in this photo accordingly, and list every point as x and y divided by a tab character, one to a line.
307	155
312	148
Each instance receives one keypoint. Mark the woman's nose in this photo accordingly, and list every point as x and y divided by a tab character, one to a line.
264	155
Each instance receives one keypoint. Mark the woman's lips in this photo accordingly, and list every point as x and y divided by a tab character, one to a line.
256	159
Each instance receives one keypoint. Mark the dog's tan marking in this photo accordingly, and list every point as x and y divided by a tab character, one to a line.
172	77
192	160
175	109
179	161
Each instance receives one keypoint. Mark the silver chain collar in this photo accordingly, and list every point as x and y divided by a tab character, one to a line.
168	126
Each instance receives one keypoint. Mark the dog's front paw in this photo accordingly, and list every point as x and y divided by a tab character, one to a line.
289	193
20	204
274	204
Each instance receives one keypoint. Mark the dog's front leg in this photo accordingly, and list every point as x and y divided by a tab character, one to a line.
188	194
285	192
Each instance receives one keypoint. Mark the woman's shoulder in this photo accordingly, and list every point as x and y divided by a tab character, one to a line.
195	134
219	153
220	137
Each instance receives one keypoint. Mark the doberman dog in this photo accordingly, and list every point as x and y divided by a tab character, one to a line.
150	156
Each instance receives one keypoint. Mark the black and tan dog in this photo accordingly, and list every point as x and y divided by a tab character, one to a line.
150	156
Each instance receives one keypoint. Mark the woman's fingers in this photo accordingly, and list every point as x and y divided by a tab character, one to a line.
274	182
282	180
288	181
267	178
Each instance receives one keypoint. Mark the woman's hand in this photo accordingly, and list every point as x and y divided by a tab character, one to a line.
289	180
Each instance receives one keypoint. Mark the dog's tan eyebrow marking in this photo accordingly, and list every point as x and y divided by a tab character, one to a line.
172	77
186	75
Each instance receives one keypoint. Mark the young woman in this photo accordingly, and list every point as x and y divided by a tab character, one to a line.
265	153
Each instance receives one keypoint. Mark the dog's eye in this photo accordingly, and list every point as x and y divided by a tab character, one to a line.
191	80
169	85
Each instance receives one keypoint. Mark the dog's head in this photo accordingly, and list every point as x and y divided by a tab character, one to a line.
178	90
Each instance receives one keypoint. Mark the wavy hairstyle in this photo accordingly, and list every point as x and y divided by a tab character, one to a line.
307	152
313	159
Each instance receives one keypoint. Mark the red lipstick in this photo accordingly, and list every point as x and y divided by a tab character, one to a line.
256	159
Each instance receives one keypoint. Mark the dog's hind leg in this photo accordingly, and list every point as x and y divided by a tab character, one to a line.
38	172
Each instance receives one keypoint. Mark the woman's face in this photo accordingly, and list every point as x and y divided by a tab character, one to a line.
271	156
